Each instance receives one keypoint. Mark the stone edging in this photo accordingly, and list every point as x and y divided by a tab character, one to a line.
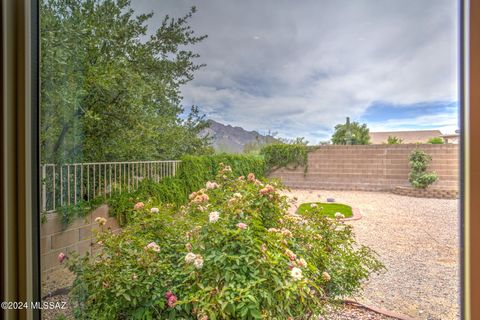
432	192
356	215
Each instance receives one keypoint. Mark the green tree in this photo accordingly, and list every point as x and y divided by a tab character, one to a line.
394	140
110	92
436	140
351	133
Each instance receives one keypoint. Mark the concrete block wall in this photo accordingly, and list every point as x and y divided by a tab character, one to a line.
370	167
79	236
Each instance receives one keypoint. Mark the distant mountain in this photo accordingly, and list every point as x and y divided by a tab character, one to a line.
226	138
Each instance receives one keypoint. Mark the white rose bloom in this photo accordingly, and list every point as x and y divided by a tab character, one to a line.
214	216
154	210
296	273
198	263
326	276
190	257
338	215
211	185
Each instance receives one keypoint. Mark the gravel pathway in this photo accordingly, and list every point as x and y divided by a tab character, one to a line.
417	240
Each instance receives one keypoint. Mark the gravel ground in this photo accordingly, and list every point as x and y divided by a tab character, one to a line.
349	312
417	240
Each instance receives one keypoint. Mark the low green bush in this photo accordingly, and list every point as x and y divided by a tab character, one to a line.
436	140
280	155
419	177
394	140
232	252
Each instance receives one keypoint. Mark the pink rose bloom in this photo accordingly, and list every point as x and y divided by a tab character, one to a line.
251	177
61	257
172	301
211	185
258	182
302	263
286	232
152	245
242	225
268	189
138	205
292	256
200	197
168	294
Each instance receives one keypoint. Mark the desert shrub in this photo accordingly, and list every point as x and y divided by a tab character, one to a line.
232	252
436	140
419	177
285	155
394	140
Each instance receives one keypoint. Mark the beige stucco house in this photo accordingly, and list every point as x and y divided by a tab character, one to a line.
414	136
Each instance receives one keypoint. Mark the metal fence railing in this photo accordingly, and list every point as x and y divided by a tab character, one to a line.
67	184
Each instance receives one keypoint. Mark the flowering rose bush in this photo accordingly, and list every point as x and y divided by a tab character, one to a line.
232	252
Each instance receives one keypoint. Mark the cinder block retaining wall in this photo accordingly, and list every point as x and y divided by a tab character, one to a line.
371	167
427	193
78	236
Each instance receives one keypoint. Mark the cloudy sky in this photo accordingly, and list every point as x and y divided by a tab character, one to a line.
300	67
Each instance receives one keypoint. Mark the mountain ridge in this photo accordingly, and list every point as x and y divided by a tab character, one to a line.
234	139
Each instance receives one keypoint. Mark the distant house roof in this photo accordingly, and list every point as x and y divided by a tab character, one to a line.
415	136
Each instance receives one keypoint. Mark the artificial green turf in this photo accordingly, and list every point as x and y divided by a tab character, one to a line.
328	209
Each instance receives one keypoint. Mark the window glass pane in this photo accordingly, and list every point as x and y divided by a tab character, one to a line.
247	160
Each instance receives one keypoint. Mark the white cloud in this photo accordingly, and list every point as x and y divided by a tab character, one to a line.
447	122
300	68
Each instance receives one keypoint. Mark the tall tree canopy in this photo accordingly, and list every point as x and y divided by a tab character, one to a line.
109	92
351	133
